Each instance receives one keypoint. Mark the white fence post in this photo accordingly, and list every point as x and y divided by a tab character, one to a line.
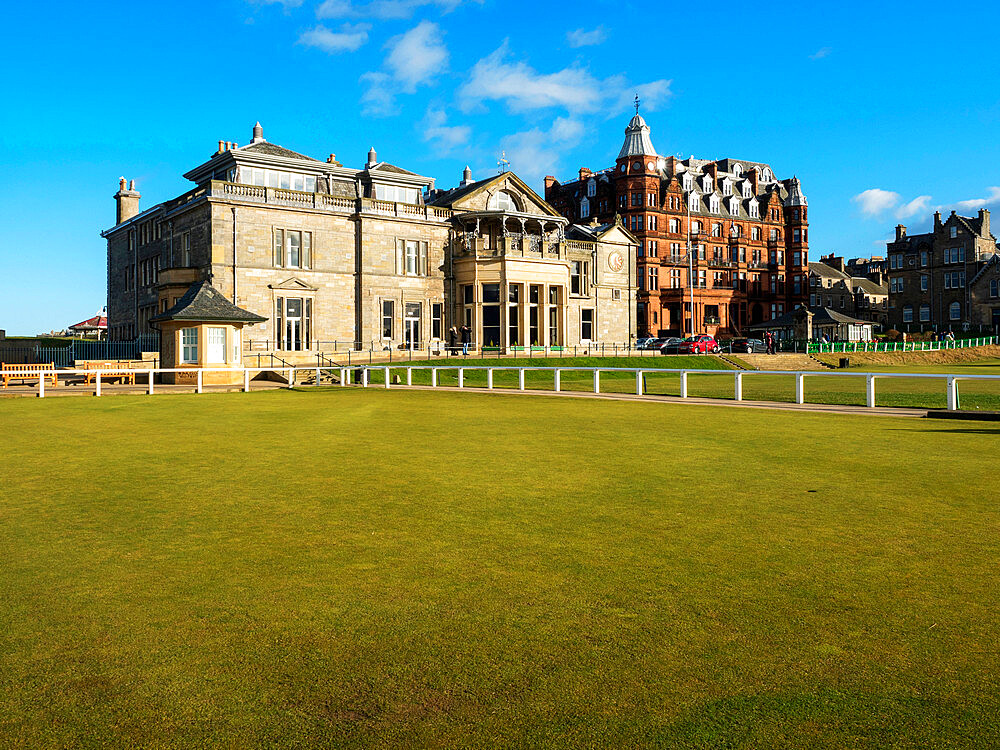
597	381
41	385
151	382
317	376
638	383
952	393
800	388
434	377
246	380
557	381
386	377
97	382
684	384
461	377
291	377
364	377
520	380
198	387
738	387
870	391
489	378
409	376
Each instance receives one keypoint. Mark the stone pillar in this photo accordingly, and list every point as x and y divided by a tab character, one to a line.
803	330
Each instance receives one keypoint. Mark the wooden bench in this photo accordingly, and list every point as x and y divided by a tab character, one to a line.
108	371
27	372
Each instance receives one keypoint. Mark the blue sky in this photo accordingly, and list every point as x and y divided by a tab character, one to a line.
886	111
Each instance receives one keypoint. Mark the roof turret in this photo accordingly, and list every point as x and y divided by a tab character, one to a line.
795	195
637	141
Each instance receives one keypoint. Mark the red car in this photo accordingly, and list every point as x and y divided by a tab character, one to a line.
699	345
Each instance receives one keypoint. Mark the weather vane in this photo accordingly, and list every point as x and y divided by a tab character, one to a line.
637	103
502	163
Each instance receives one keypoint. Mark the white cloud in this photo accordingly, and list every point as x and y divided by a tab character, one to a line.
522	88
414	59
417	55
919	205
821	53
581	38
535	153
379	99
348	39
444	136
876	201
385	10
977	203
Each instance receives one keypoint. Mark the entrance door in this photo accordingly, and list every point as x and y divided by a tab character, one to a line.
996	320
411	325
216	345
293	324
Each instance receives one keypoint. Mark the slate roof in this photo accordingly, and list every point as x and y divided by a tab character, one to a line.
868	286
822	269
203	303
991	261
637	140
821	316
384	166
270	149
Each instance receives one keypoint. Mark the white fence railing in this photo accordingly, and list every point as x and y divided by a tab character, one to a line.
362	375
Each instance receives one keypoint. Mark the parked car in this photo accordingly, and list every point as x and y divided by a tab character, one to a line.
669	345
745	346
644	343
702	344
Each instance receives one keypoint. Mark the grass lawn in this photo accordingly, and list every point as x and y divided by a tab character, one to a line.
917	393
408	569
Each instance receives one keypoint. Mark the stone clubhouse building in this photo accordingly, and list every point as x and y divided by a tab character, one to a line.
332	257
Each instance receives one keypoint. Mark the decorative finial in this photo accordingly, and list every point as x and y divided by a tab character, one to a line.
637	103
503	164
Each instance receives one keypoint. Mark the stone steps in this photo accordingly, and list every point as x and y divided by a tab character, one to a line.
784	361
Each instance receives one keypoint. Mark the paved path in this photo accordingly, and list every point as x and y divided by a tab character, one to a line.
880	411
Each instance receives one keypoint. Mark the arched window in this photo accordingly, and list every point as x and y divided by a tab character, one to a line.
766	175
717	229
736	231
755	233
675	226
502	201
955	311
591	187
695	227
584	208
738	169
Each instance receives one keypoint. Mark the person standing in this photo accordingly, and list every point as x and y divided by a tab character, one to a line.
452	341
466	339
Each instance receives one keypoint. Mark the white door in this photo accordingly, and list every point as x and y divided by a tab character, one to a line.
216	352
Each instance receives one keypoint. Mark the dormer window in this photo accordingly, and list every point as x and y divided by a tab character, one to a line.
738	169
584	208
766	175
734	206
754	211
727	187
693	201
688	182
706	184
713	203
747	190
591	187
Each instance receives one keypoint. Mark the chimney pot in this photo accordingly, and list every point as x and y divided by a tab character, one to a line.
372	157
221	147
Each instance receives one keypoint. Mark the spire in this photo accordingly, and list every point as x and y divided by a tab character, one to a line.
637	140
795	195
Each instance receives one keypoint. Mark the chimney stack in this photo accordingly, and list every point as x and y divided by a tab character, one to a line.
258	133
900	232
126	201
466	177
550	181
222	147
984	219
585	173
372	158
937	219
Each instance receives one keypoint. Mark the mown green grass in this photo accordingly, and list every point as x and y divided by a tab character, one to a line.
413	569
834	389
